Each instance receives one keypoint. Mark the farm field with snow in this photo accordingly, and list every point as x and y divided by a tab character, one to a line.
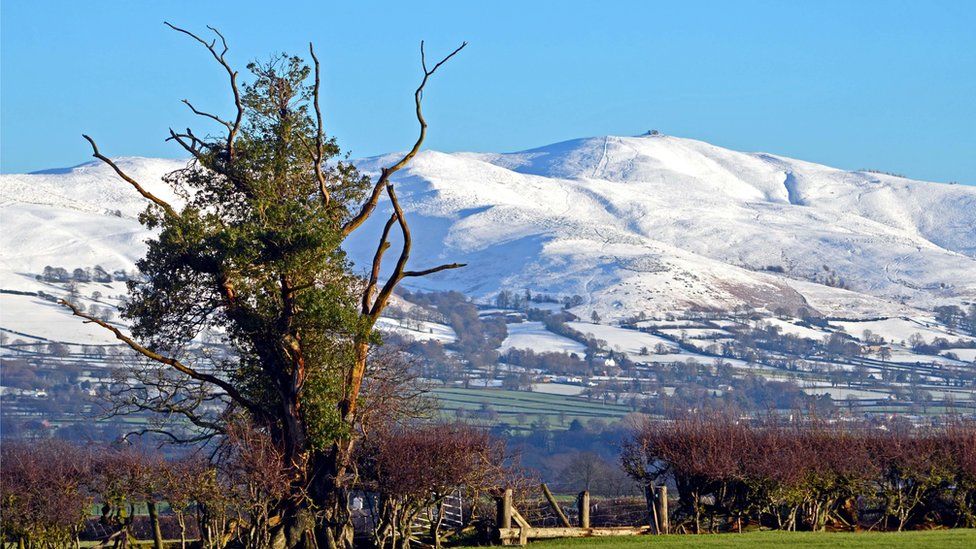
535	336
418	330
899	329
621	339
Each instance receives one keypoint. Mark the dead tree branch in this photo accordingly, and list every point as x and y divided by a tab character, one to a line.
318	152
211	116
399	271
233	127
228	388
190	143
148	195
374	274
373	308
433	270
385	174
174	438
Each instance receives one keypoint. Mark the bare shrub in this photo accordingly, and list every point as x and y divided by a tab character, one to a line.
807	475
44	492
414	468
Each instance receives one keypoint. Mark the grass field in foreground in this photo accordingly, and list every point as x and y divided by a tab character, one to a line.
938	539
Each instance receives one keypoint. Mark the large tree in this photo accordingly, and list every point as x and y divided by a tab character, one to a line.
254	254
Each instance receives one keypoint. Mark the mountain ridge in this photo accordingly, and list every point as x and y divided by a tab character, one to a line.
631	224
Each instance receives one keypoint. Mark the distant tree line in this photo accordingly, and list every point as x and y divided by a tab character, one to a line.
956	318
81	274
584	455
557	363
507	299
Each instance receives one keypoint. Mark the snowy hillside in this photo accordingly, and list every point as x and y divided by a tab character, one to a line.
660	223
631	224
76	217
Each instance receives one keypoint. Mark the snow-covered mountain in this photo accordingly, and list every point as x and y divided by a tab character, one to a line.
653	223
659	223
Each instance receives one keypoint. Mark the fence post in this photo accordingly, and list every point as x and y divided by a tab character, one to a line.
662	509
583	503
650	497
503	519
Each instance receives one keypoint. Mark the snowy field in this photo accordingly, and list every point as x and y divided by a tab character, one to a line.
418	330
534	336
622	339
666	324
788	327
842	393
967	355
897	329
695	333
908	357
557	389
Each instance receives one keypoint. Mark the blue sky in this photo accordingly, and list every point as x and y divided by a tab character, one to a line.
856	84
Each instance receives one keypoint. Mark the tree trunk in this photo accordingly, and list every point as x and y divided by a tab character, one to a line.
354	381
337	528
125	524
296	529
330	494
181	519
154	524
435	525
405	527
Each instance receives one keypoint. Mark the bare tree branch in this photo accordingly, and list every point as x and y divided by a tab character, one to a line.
374	275
399	271
234	127
354	377
418	98
148	195
213	117
194	145
433	270
176	440
318	152
401	264
228	388
418	95
158	391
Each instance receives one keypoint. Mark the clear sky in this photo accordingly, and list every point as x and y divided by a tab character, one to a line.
886	85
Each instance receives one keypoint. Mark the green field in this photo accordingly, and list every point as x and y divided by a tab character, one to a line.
522	408
940	539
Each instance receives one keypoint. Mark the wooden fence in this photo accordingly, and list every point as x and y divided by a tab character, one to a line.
513	529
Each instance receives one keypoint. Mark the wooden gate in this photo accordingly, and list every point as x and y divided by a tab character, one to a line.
513	529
